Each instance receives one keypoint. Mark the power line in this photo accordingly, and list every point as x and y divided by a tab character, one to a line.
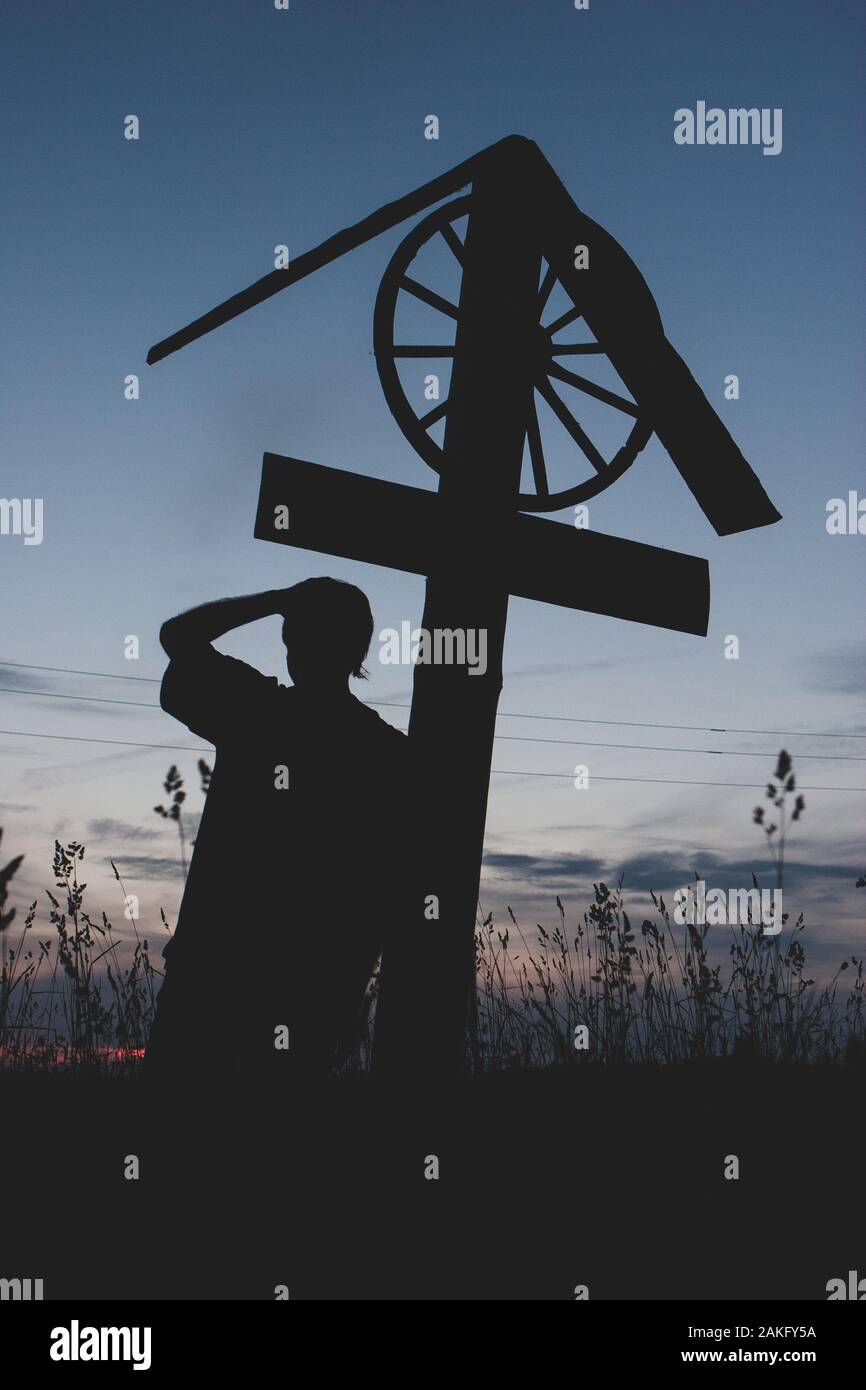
90	699
658	748
666	781
121	742
501	771
71	671
635	724
505	738
502	714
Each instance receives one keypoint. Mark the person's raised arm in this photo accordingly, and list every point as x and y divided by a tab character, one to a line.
199	627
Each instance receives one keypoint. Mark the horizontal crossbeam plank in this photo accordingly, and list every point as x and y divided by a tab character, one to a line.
359	518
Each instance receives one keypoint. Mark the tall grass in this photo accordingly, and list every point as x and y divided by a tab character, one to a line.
67	1001
653	995
82	996
600	992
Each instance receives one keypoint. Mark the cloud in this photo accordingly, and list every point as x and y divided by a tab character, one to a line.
664	870
148	866
842	670
605	663
75	705
12	678
667	870
89	697
110	764
108	829
558	668
552	668
548	869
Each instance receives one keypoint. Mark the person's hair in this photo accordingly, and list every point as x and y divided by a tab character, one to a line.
329	622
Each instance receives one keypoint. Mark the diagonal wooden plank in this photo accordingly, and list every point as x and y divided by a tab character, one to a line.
621	313
516	146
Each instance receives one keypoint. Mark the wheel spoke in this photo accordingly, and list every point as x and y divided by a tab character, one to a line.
582	384
429	296
433	415
430	350
536	453
565	417
547	285
562	321
574	349
453	240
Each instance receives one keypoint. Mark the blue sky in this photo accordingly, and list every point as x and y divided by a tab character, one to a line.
261	127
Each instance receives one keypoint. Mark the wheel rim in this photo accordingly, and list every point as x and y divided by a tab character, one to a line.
397	280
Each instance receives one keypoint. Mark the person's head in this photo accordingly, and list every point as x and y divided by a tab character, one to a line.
327	629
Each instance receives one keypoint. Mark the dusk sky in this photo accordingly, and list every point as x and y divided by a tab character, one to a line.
261	127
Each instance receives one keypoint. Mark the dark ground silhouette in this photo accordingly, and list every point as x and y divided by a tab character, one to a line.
609	1177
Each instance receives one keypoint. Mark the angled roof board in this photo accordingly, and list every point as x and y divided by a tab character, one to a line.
621	312
613	298
337	245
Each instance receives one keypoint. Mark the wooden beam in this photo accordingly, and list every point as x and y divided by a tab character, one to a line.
335	512
335	246
616	302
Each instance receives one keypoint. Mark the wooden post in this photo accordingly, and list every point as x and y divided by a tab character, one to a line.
428	971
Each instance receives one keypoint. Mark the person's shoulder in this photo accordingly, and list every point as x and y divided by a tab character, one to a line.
207	661
387	732
250	681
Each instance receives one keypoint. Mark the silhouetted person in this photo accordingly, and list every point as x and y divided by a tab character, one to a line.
301	846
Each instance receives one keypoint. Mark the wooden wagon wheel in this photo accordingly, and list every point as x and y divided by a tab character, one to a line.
397	281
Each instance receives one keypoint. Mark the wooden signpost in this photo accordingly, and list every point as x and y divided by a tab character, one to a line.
473	539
